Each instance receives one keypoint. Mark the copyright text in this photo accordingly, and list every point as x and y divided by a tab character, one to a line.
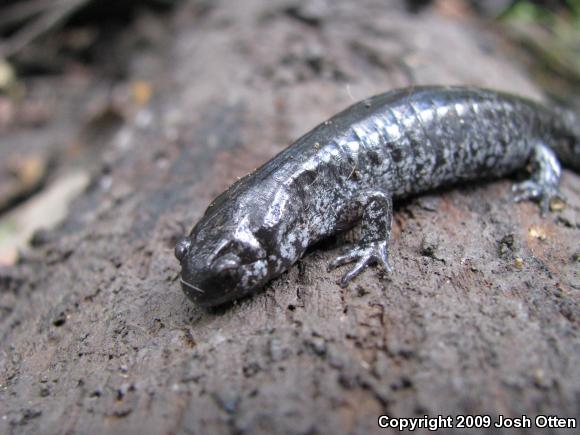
475	421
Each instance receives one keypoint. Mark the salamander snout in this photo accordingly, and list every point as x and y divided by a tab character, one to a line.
182	248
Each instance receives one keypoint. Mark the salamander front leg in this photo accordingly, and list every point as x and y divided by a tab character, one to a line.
377	215
542	186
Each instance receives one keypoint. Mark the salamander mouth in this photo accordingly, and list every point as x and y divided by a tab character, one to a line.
191	286
220	288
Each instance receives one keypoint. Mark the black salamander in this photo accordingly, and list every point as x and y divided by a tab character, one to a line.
351	167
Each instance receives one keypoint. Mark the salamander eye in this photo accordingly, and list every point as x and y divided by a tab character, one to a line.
182	247
226	262
244	251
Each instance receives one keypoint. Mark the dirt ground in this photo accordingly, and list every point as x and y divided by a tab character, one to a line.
479	317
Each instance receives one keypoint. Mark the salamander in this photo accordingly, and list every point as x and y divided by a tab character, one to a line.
349	169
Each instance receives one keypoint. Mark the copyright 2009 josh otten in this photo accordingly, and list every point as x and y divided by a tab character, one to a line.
475	421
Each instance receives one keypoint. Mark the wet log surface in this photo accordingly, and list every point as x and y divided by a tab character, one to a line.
480	316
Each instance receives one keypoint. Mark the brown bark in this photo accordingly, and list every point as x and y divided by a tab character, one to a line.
97	336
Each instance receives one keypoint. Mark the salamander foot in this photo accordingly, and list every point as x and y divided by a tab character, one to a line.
364	255
548	197
542	187
376	208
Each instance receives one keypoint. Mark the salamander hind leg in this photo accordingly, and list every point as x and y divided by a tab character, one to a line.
542	186
377	214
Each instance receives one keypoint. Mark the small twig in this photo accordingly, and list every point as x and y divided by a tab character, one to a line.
44	23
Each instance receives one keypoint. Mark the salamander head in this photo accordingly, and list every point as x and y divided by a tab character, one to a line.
218	266
245	239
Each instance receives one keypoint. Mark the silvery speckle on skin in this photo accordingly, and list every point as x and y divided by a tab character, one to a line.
348	169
